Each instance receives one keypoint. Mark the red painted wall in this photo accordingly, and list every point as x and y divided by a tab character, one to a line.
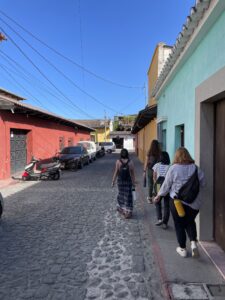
42	137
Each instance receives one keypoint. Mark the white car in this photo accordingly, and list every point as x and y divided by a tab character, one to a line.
91	149
109	146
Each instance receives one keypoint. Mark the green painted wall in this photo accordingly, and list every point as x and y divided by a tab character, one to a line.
177	100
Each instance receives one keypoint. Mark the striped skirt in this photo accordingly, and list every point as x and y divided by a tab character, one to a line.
124	198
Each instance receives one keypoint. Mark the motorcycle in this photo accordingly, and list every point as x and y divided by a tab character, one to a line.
41	169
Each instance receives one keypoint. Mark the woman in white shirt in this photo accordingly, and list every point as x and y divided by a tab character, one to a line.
178	174
159	173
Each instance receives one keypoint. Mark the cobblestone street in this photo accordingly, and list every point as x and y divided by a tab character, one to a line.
64	240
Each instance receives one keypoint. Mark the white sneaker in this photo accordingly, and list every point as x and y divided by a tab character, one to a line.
194	249
182	251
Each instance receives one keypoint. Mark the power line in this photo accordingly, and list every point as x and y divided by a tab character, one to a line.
70	60
42	74
59	71
19	84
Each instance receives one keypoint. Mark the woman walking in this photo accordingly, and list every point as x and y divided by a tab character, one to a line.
124	171
152	158
159	173
178	174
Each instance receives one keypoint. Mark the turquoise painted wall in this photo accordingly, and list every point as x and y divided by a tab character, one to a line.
177	100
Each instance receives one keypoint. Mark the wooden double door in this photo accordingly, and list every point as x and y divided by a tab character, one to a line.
219	184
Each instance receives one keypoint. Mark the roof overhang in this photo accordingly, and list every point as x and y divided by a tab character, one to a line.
144	117
17	107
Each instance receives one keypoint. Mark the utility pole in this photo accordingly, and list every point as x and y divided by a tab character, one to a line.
105	126
145	94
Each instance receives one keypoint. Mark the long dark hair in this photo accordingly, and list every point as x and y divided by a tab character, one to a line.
154	149
164	158
124	154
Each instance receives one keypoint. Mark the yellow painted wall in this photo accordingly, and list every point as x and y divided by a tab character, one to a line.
101	134
145	137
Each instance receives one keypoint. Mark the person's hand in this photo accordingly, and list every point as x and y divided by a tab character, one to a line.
156	199
113	183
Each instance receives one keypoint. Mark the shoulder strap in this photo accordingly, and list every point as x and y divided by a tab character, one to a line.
124	164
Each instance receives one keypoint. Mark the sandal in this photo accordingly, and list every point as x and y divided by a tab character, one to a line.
127	215
120	210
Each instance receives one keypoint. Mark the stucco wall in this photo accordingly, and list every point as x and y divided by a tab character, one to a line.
145	137
42	139
103	135
177	101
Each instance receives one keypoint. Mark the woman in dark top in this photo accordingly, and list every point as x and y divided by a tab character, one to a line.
124	172
153	156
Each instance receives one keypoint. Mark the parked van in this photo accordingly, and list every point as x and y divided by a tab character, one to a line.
91	148
109	146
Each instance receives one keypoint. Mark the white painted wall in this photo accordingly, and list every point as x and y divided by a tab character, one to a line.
128	143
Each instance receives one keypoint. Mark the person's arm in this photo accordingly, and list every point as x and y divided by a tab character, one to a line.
132	174
201	177
166	186
155	170
145	165
115	173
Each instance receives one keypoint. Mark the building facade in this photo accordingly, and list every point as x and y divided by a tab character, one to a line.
26	131
145	124
102	128
190	96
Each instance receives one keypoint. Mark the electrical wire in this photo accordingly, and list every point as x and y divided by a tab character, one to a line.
43	75
15	65
70	60
20	85
18	73
60	72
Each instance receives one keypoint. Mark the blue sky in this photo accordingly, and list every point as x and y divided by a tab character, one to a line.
114	39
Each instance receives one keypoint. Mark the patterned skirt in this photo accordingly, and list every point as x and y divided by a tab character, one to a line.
124	198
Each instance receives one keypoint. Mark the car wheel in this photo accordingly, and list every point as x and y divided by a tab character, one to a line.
56	176
109	151
81	165
73	166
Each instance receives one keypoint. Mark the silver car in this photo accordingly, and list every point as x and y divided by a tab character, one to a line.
109	146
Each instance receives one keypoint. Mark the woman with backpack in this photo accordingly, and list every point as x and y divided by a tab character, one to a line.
152	158
159	173
184	214
124	173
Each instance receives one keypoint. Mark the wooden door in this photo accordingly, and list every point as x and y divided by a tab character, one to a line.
219	195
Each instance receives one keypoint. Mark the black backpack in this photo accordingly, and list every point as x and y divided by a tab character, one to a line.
189	191
124	172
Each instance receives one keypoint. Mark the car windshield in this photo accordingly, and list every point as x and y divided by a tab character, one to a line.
106	144
71	150
86	145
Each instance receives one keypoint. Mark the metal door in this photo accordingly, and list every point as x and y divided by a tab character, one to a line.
219	201
18	150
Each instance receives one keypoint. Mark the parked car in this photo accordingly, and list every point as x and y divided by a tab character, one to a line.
91	149
74	157
109	146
